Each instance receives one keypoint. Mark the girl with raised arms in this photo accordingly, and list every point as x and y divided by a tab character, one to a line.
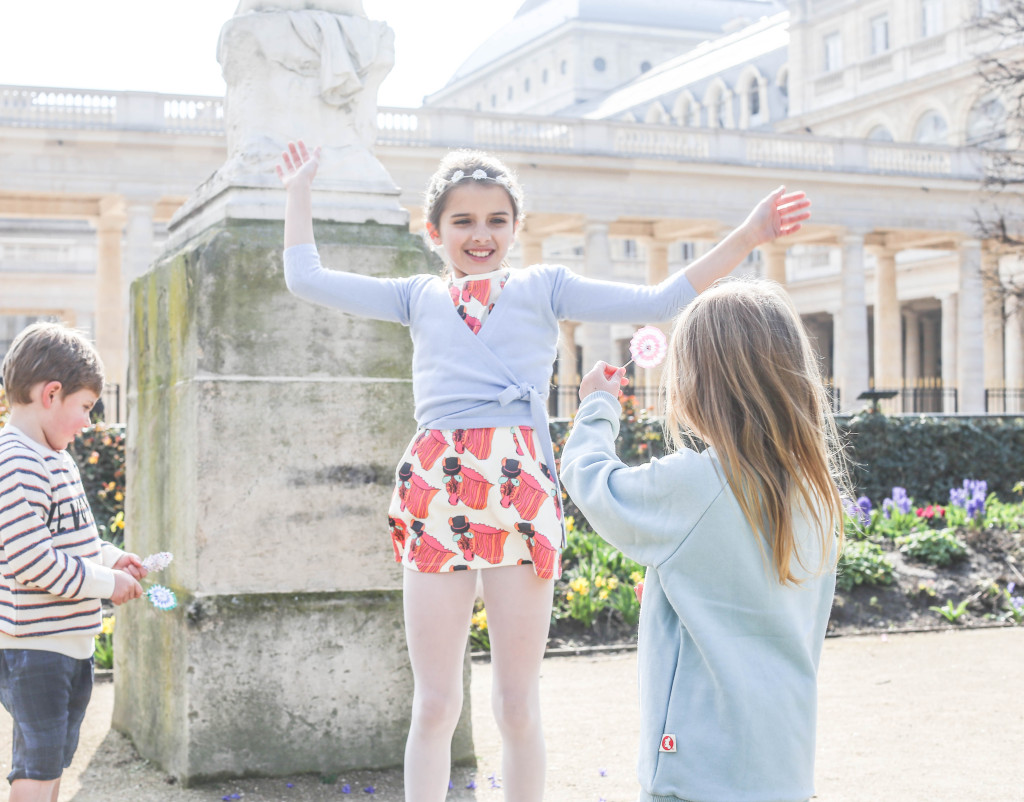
740	543
476	488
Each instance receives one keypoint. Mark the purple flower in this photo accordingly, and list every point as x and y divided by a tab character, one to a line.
958	497
603	772
901	499
369	790
471	785
346	789
1011	587
289	785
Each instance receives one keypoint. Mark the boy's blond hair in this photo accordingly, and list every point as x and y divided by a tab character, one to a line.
46	352
742	375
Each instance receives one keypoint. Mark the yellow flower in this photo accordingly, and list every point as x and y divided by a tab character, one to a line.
569	595
570	523
118	521
635	577
94	457
580	584
599	582
480	620
602	594
118	496
108	626
613	582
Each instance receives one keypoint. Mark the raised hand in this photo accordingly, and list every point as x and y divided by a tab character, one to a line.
298	164
778	215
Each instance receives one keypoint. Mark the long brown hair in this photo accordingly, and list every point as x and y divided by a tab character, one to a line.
741	375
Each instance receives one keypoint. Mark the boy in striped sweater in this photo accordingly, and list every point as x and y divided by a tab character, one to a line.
54	569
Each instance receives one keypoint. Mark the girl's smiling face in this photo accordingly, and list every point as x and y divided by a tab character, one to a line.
476	228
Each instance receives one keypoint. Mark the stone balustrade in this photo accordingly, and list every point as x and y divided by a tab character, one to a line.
48	107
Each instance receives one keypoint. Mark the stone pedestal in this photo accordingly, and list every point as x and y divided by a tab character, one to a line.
262	438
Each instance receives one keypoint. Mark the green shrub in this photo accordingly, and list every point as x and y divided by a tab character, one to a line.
938	547
863	563
928	455
99	454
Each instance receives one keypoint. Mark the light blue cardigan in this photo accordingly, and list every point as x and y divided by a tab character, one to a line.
500	376
727	657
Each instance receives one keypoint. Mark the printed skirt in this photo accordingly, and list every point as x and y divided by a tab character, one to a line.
475	498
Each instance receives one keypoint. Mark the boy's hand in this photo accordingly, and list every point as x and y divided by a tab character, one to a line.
298	164
776	216
131	564
126	587
603	377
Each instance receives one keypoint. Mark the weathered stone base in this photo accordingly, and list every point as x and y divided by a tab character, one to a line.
227	686
262	438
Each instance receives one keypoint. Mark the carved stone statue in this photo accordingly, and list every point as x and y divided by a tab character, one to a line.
305	69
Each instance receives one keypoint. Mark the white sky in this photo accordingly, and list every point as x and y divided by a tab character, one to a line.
171	46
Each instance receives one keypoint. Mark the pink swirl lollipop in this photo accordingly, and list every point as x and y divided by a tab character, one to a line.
648	347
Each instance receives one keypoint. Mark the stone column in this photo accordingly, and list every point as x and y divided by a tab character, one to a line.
852	340
949	351
911	347
930	347
532	249
596	338
773	257
657	271
1014	353
970	358
111	341
992	322
888	335
568	372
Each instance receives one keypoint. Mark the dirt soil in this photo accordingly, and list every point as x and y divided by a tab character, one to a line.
994	557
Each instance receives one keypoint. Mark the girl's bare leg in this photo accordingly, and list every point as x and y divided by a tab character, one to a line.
438	609
518	616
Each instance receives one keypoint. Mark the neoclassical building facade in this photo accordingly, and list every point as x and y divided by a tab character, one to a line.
642	134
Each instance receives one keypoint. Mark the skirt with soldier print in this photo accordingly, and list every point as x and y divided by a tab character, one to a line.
475	498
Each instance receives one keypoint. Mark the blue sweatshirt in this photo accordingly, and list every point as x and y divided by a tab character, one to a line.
501	375
727	657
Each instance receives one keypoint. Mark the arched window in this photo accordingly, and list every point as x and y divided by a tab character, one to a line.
931	129
721	110
880	134
986	123
656	114
783	82
687	110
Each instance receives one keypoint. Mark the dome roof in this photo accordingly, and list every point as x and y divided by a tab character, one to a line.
535	18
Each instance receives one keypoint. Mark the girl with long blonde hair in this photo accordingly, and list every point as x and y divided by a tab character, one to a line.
740	543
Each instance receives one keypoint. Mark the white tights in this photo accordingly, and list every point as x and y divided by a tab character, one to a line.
438	608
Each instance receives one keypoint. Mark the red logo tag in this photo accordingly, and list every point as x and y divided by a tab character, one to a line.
668	743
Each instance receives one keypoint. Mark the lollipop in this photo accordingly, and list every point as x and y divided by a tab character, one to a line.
647	348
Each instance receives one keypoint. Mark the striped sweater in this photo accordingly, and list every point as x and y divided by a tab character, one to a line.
55	569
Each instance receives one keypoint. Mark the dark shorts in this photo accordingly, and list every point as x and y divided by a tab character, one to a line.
46	694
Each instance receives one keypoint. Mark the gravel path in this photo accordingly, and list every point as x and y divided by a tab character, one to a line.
929	717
